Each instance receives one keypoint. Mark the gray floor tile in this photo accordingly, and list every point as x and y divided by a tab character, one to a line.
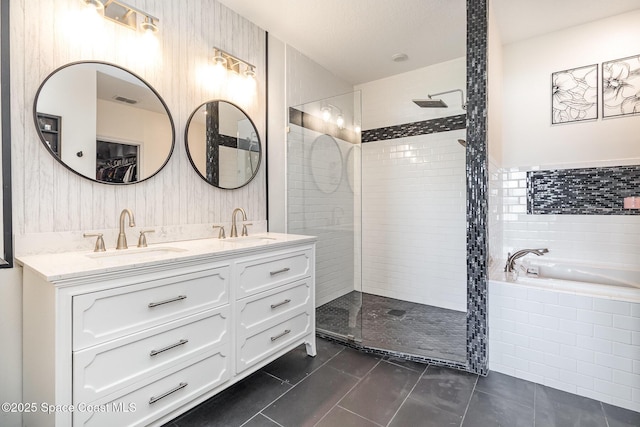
445	389
260	421
507	387
237	404
379	395
555	408
354	362
620	417
340	417
487	410
415	413
307	402
397	325
296	365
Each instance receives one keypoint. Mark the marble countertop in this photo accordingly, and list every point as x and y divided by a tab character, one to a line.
69	265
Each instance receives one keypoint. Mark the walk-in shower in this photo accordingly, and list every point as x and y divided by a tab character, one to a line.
390	220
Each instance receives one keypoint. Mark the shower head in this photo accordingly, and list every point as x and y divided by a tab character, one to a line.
430	103
462	142
439	103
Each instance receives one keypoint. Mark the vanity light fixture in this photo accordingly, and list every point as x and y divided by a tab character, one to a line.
340	121
124	14
326	113
231	63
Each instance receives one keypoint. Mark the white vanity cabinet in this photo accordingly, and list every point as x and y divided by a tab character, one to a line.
140	344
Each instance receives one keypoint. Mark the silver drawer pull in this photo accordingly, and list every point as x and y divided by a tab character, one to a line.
167	301
284	270
287	301
169	347
277	337
167	393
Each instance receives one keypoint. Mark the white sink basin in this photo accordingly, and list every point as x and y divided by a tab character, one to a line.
136	253
250	240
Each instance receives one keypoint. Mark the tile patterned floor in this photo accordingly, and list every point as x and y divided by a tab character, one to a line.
343	387
397	325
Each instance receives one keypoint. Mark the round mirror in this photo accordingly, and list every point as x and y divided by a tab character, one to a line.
223	145
104	123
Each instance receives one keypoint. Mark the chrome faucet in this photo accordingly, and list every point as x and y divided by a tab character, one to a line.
511	259
234	229
122	238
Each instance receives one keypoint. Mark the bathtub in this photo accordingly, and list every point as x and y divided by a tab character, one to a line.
597	280
568	325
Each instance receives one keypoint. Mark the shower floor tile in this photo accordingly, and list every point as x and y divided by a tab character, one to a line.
391	324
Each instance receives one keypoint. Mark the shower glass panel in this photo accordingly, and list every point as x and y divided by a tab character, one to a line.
324	200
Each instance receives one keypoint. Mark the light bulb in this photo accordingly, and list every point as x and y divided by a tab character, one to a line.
326	113
340	121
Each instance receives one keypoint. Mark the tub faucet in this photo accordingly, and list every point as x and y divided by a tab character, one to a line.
122	238
511	259
234	229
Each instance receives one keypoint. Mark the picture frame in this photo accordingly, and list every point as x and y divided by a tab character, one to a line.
574	95
621	87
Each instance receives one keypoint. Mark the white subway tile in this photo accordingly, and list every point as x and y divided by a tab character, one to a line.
515	339
545	346
514	315
503	349
596	344
596	318
529	306
596	371
542	296
625	378
560	312
544	321
579	380
612	334
578	328
625	350
612	389
611	306
563	363
635	310
515	362
635	338
577	353
615	362
528	354
626	322
503	369
636	366
576	301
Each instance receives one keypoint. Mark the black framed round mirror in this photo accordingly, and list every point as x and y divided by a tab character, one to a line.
104	123
223	144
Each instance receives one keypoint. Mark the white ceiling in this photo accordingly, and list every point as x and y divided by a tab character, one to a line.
355	39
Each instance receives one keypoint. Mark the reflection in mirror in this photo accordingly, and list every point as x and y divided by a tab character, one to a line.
223	145
326	163
104	123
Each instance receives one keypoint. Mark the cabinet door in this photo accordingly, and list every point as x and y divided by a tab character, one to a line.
106	368
113	313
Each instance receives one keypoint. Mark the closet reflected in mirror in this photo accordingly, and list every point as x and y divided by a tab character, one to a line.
104	123
223	144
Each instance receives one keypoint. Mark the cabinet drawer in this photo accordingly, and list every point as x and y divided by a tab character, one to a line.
105	315
139	407
260	345
259	311
104	369
259	274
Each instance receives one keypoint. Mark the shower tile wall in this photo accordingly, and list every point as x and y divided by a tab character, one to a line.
414	243
588	238
330	217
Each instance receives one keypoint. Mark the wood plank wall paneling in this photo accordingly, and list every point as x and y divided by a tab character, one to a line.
44	36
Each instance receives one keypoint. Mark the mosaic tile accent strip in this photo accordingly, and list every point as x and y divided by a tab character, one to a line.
477	187
424	127
585	191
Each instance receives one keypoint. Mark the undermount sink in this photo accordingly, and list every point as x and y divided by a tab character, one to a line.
250	240
136	253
